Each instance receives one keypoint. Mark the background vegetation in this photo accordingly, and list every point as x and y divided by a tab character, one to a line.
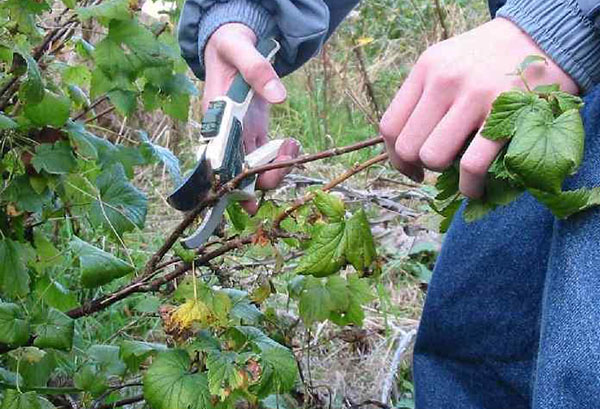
98	120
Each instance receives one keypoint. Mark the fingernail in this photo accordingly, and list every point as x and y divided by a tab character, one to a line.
291	147
274	91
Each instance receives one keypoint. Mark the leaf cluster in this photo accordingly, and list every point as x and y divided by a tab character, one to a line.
544	137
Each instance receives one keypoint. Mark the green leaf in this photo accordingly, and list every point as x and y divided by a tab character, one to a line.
79	75
237	216
223	374
121	205
241	306
359	244
156	153
55	159
546	89
70	3
109	10
32	88
169	384
339	292
14	275
14	329
14	399
55	332
279	371
566	101
447	183
52	110
107	358
83	48
124	101
529	60
21	192
545	150
477	209
315	301
329	205
38	373
507	110
83	141
567	203
6	122
55	294
133	353
361	294
97	266
325	254
91	380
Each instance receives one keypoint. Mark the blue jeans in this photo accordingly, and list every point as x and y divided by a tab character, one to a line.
512	316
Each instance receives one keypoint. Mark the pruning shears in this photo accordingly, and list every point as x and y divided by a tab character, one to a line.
223	157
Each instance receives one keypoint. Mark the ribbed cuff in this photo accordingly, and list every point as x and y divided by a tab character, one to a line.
561	29
245	12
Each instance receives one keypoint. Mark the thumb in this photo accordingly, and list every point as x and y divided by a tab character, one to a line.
256	70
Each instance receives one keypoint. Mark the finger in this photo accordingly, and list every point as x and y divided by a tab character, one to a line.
446	141
475	163
256	69
250	206
396	116
290	149
216	85
429	111
256	124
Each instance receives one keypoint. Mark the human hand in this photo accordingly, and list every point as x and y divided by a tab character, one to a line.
231	49
448	95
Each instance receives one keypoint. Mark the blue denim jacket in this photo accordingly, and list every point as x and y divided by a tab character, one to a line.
567	30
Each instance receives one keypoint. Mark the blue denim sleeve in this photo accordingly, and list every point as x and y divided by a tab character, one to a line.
302	26
565	30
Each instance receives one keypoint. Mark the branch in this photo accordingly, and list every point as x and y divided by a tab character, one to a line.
231	185
403	342
122	402
146	283
46	390
340	179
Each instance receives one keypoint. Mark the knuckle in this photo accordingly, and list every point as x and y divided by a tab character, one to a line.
472	166
446	81
407	154
433	159
257	70
387	129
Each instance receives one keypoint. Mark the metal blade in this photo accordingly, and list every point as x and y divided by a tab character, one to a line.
209	224
195	187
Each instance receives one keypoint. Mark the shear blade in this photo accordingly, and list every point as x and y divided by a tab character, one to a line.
194	188
209	225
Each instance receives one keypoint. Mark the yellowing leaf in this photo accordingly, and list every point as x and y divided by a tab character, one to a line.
364	41
190	312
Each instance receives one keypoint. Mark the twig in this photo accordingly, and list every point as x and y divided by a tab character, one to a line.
307	198
100	115
358	52
440	13
403	343
122	402
90	107
370	402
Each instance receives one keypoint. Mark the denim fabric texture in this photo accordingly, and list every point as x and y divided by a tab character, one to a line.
512	316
